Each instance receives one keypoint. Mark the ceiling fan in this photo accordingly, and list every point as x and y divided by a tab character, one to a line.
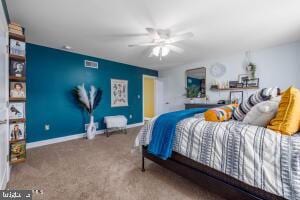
163	42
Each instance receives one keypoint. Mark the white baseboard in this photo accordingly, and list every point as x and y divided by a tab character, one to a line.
4	179
70	137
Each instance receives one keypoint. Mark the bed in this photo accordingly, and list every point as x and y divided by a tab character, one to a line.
236	160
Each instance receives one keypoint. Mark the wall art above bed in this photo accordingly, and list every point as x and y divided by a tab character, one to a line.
119	93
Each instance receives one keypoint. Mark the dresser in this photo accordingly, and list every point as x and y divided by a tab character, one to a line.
201	105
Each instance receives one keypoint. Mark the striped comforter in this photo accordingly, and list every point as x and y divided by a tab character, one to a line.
254	155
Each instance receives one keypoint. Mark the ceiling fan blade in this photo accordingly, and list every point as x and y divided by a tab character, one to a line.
178	38
150	54
175	49
142	44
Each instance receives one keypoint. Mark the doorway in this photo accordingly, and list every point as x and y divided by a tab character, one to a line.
149	96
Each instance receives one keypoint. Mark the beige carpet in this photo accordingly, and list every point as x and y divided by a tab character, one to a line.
104	168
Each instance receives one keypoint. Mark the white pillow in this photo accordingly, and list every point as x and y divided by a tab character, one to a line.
262	113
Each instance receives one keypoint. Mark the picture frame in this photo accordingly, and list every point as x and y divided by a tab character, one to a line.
17	90
17	47
254	82
236	97
16	110
119	93
17	151
17	69
242	78
17	131
233	84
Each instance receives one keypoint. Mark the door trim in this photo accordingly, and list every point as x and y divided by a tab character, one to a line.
155	95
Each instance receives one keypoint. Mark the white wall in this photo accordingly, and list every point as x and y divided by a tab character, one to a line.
277	66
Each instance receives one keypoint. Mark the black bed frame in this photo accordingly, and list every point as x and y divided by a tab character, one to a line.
209	178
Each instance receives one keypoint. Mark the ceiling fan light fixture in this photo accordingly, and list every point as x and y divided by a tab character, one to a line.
164	51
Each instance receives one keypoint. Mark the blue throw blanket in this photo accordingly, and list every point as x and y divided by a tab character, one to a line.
163	131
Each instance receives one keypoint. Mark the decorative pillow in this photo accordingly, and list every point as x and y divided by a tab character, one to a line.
262	113
287	120
259	96
220	114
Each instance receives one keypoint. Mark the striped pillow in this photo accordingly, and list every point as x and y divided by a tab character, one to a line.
259	96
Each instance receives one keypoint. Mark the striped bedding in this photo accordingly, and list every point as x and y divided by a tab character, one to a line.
254	155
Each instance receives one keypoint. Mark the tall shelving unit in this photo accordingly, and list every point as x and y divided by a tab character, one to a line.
17	96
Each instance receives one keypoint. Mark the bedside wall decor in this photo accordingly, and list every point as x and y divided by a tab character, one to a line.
217	70
236	97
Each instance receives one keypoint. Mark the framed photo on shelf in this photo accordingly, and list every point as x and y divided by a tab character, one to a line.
17	131
253	82
17	69
16	110
17	151
236	97
17	47
17	90
243	79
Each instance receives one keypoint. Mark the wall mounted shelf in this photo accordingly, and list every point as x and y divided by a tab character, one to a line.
17	37
17	146
13	78
17	120
16	99
18	58
230	89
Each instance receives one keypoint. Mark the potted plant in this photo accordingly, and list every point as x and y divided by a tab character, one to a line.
89	102
252	69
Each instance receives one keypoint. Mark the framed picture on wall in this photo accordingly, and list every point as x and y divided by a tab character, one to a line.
17	151
17	69
18	90
17	131
16	110
119	93
236	97
17	47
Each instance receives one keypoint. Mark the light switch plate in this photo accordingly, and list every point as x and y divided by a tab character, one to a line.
47	127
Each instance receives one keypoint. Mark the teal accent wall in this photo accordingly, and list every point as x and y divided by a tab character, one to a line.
51	76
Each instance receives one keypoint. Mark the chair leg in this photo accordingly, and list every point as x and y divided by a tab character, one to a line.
107	133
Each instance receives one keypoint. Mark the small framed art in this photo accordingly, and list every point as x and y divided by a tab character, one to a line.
17	131
243	79
17	90
17	151
17	47
253	82
17	69
236	97
16	110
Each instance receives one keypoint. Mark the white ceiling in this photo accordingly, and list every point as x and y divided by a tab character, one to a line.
105	28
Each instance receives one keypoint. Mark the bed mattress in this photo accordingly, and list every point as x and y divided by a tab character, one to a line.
254	155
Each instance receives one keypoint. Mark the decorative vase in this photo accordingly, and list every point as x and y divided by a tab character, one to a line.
91	129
